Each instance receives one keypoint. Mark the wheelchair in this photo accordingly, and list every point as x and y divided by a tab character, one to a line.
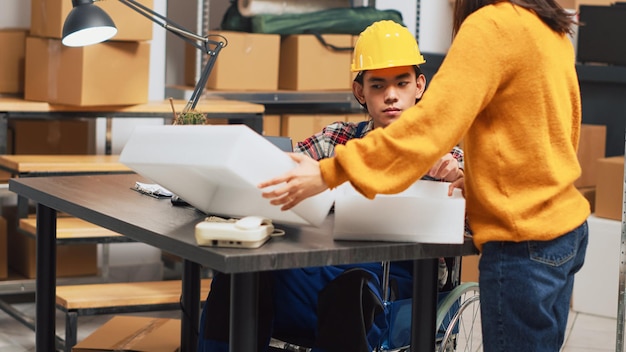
457	318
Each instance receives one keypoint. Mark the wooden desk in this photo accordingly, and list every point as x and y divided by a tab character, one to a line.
107	200
236	112
22	165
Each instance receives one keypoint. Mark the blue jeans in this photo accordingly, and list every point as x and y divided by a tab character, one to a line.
525	291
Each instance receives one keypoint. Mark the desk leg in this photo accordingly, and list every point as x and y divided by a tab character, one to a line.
4	129
244	312
191	307
45	288
424	310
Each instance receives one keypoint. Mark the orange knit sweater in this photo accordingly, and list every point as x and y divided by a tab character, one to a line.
508	87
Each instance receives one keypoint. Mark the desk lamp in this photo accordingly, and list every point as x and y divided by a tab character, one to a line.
88	24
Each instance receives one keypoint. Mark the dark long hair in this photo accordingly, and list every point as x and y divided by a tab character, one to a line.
550	12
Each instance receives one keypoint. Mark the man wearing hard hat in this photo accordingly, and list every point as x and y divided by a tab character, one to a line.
340	308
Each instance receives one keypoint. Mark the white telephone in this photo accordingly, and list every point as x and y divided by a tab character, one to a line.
247	232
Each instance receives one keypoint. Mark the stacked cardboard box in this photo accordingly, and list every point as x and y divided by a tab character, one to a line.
306	64
610	188
591	147
248	62
301	126
267	62
111	73
12	46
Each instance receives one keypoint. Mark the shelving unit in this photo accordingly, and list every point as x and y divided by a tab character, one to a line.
621	317
282	101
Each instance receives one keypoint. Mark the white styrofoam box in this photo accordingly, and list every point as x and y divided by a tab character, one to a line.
422	213
596	284
216	168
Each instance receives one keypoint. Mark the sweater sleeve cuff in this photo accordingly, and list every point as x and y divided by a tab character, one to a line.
332	172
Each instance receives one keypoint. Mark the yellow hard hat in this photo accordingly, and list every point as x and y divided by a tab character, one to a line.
385	44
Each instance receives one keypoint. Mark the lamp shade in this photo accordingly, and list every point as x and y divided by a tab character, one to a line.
87	24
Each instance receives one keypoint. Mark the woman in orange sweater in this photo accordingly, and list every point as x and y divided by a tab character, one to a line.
508	87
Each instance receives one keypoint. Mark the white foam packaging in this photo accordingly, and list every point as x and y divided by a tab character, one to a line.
422	213
216	168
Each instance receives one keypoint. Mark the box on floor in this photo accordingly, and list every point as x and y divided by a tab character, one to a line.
248	62
110	73
610	187
132	333
13	49
306	64
47	18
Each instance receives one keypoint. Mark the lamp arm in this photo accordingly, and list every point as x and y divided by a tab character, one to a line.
204	77
201	42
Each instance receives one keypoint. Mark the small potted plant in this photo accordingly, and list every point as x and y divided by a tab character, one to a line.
190	117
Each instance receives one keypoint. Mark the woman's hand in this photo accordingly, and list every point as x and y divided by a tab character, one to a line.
304	181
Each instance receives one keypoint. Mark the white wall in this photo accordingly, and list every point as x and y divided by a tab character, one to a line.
407	8
435	33
15	14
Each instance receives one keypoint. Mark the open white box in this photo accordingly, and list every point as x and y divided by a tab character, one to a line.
423	213
216	168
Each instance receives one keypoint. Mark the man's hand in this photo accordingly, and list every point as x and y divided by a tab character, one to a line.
304	181
446	168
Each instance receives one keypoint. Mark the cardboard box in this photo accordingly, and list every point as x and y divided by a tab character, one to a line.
47	18
72	260
248	62
469	268
567	4
111	73
352	74
52	136
591	147
423	213
271	125
132	333
302	126
306	64
356	118
590	194
13	49
610	187
4	261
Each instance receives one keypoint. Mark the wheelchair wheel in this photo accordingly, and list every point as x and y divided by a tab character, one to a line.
458	320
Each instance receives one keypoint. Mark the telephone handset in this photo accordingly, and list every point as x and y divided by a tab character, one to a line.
247	232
